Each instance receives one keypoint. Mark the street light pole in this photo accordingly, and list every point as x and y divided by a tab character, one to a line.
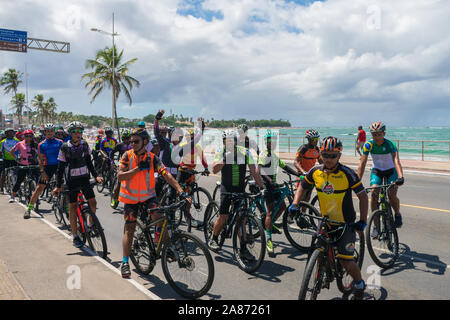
114	110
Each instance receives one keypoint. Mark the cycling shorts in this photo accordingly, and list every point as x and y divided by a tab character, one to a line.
345	245
131	211
8	164
226	199
50	171
82	185
376	176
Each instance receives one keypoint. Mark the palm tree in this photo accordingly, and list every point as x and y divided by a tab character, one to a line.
11	80
104	67
39	105
49	110
17	104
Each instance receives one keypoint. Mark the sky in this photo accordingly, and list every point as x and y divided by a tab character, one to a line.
314	63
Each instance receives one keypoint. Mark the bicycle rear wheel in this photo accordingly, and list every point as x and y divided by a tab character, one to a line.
384	248
200	200
142	250
313	277
299	229
188	265
248	233
96	237
101	186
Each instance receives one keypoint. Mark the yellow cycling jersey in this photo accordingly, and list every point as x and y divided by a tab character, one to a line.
334	191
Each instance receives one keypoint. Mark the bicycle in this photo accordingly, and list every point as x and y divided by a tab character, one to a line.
110	177
29	184
60	207
186	262
243	226
200	200
94	234
322	267
216	192
387	242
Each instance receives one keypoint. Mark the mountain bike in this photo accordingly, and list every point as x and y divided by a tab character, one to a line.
185	259
94	234
109	177
200	200
386	242
29	184
243	226
323	266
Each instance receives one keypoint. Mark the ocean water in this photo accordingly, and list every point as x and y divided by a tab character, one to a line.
434	141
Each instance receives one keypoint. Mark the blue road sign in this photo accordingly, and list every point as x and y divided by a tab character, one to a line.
13	36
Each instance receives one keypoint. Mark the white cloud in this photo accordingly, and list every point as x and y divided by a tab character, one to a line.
260	59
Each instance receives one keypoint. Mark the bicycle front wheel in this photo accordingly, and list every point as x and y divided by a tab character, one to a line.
299	229
382	243
188	265
96	237
249	243
313	277
142	250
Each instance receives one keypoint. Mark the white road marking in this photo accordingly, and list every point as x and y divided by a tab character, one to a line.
138	286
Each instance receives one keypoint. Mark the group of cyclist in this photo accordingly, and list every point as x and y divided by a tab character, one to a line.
147	164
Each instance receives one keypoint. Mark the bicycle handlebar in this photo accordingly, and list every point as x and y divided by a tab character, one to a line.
169	207
385	186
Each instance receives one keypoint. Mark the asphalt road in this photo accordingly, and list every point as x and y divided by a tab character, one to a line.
422	272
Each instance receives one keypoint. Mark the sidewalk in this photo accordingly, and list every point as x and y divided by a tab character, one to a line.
434	166
37	262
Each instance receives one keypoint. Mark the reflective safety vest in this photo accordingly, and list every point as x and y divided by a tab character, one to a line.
141	186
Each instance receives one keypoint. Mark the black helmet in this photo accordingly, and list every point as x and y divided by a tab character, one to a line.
141	132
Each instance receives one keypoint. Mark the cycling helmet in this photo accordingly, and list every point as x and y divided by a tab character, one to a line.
75	125
154	142
171	128
28	131
163	129
243	127
141	132
141	123
49	126
101	131
229	134
312	134
378	127
331	144
9	129
270	135
126	134
109	130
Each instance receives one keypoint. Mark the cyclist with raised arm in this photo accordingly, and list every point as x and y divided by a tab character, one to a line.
76	166
137	187
48	151
26	151
5	149
334	183
232	161
121	148
386	164
268	163
245	141
306	158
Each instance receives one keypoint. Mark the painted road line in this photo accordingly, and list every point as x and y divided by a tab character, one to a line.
137	285
419	207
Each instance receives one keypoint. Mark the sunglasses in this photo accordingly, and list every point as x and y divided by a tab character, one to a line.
77	131
134	141
330	155
28	136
